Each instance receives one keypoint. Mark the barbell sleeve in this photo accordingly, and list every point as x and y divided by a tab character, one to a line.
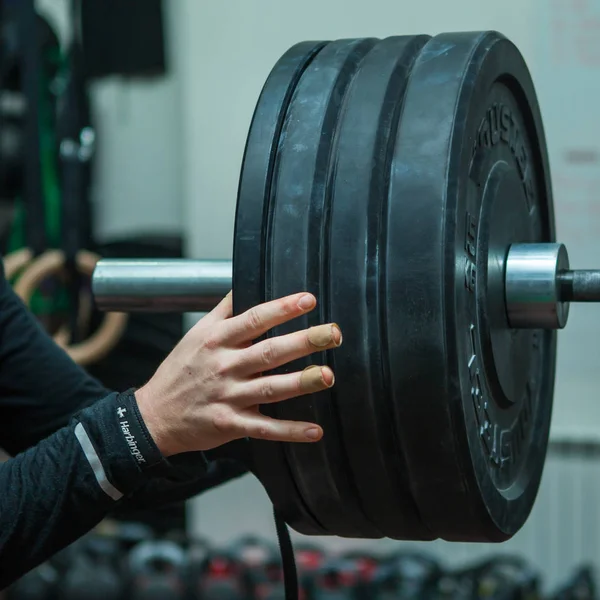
160	285
540	285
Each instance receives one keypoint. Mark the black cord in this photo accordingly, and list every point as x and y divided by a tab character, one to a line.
290	574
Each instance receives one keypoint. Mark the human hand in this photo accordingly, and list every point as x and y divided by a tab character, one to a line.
207	392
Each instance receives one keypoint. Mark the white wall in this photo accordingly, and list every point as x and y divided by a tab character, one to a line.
233	45
567	70
138	177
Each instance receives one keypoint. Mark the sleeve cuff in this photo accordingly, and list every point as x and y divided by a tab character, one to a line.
126	449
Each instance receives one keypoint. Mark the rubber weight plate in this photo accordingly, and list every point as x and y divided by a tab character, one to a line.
354	273
296	259
470	176
248	255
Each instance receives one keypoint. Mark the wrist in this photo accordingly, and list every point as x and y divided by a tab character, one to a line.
153	421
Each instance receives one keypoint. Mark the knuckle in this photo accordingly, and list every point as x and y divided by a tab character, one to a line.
216	394
290	305
264	432
224	422
267	392
295	433
220	368
267	353
255	321
211	342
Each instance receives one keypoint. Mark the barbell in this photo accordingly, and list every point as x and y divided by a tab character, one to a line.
405	182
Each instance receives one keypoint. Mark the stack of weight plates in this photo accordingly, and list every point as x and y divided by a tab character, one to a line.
389	177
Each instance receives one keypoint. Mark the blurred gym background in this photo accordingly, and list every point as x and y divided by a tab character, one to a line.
172	86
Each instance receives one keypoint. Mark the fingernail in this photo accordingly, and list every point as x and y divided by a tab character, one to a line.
229	294
313	433
328	377
306	302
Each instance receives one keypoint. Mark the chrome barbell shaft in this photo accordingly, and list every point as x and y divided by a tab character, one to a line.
160	285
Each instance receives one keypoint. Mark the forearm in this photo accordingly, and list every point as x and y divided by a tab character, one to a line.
58	490
40	386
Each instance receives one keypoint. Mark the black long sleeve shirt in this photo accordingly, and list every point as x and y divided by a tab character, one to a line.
80	450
